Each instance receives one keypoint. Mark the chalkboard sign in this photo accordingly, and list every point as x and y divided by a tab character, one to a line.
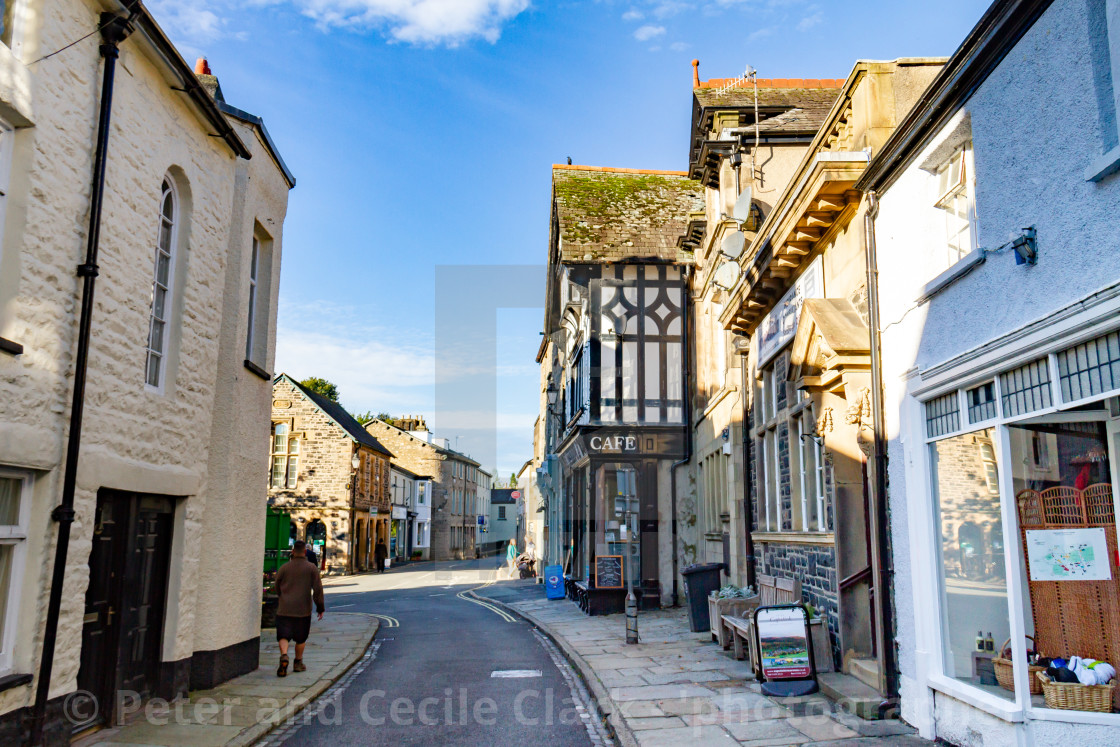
608	572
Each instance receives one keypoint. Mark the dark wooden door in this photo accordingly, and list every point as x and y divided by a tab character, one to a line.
125	600
144	597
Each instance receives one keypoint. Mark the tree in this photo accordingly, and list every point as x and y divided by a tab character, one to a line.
512	480
365	417
385	417
321	387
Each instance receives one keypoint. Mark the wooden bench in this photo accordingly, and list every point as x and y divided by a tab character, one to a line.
771	590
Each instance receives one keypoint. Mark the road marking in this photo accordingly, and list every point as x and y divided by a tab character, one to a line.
340	606
468	596
513	673
390	622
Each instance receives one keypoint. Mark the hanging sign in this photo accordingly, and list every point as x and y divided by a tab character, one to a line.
785	650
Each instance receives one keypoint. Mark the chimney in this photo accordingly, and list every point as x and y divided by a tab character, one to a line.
208	80
695	73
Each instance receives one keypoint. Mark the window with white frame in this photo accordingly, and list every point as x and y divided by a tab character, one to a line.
15	510
160	310
954	199
769	459
807	452
714	487
285	456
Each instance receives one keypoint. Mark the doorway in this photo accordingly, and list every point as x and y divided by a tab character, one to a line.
122	630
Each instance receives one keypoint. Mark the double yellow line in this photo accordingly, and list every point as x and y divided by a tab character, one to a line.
469	596
390	622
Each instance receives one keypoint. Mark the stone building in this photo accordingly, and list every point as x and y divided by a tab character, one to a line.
176	381
613	375
330	475
798	304
454	483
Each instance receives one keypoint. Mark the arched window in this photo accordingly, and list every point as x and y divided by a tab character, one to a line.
162	284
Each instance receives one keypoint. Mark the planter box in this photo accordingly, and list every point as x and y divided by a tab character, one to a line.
822	645
737	606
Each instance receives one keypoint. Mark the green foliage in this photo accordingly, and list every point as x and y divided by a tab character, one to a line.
364	417
385	417
321	387
512	480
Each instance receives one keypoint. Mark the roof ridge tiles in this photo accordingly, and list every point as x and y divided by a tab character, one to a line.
614	170
777	83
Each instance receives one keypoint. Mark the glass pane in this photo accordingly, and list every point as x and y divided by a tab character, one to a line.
293	448
293	470
153	369
1067	540
168	210
974	580
10	489
159	303
278	472
253	261
629	382
156	343
1026	388
616	489
6	554
163	268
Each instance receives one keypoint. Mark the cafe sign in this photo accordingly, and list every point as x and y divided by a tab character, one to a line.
624	442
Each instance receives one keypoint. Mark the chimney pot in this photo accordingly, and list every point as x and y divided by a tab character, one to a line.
202	67
696	73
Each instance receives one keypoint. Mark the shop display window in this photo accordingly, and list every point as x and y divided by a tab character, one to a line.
618	485
974	599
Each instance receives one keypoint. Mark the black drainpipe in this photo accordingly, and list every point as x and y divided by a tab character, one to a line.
114	30
749	565
686	390
884	596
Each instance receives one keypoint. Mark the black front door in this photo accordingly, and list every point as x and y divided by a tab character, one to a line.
125	601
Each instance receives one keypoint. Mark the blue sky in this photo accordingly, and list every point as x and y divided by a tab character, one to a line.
422	131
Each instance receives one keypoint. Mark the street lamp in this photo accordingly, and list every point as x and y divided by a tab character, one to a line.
552	393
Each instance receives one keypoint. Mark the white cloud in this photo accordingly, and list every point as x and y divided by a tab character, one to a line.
678	46
760	34
418	22
668	8
633	15
645	33
810	21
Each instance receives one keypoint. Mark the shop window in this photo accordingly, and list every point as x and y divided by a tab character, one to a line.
943	415
982	402
617	486
1025	389
1091	368
973	581
955	201
285	456
1067	538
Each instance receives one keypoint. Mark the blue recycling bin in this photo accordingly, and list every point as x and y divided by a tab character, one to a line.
554	582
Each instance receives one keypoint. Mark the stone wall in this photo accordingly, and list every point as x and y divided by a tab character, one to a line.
815	567
136	438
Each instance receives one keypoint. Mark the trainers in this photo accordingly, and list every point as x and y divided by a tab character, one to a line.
298	666
282	670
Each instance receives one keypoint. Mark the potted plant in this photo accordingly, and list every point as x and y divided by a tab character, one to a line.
417	554
270	601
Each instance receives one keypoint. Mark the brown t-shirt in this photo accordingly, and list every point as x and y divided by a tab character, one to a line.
296	582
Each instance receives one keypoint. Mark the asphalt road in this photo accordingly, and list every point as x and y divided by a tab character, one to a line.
430	676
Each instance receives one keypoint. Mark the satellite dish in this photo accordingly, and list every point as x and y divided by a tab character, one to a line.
742	209
727	275
732	244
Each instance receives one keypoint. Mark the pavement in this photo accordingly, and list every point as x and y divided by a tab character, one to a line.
679	687
244	709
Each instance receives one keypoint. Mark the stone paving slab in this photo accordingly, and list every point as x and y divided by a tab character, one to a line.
678	687
241	711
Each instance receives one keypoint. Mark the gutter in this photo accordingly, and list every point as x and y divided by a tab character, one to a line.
882	569
749	566
114	30
159	42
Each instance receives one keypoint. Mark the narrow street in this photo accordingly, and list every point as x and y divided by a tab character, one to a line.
445	669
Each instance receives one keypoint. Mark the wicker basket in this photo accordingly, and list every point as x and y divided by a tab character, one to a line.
1005	670
1073	696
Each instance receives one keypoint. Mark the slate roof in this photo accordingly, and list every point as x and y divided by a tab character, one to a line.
338	414
780	92
622	215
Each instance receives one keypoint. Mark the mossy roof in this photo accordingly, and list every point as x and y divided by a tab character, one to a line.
619	215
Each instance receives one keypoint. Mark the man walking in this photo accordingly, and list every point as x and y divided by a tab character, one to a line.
380	553
297	582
